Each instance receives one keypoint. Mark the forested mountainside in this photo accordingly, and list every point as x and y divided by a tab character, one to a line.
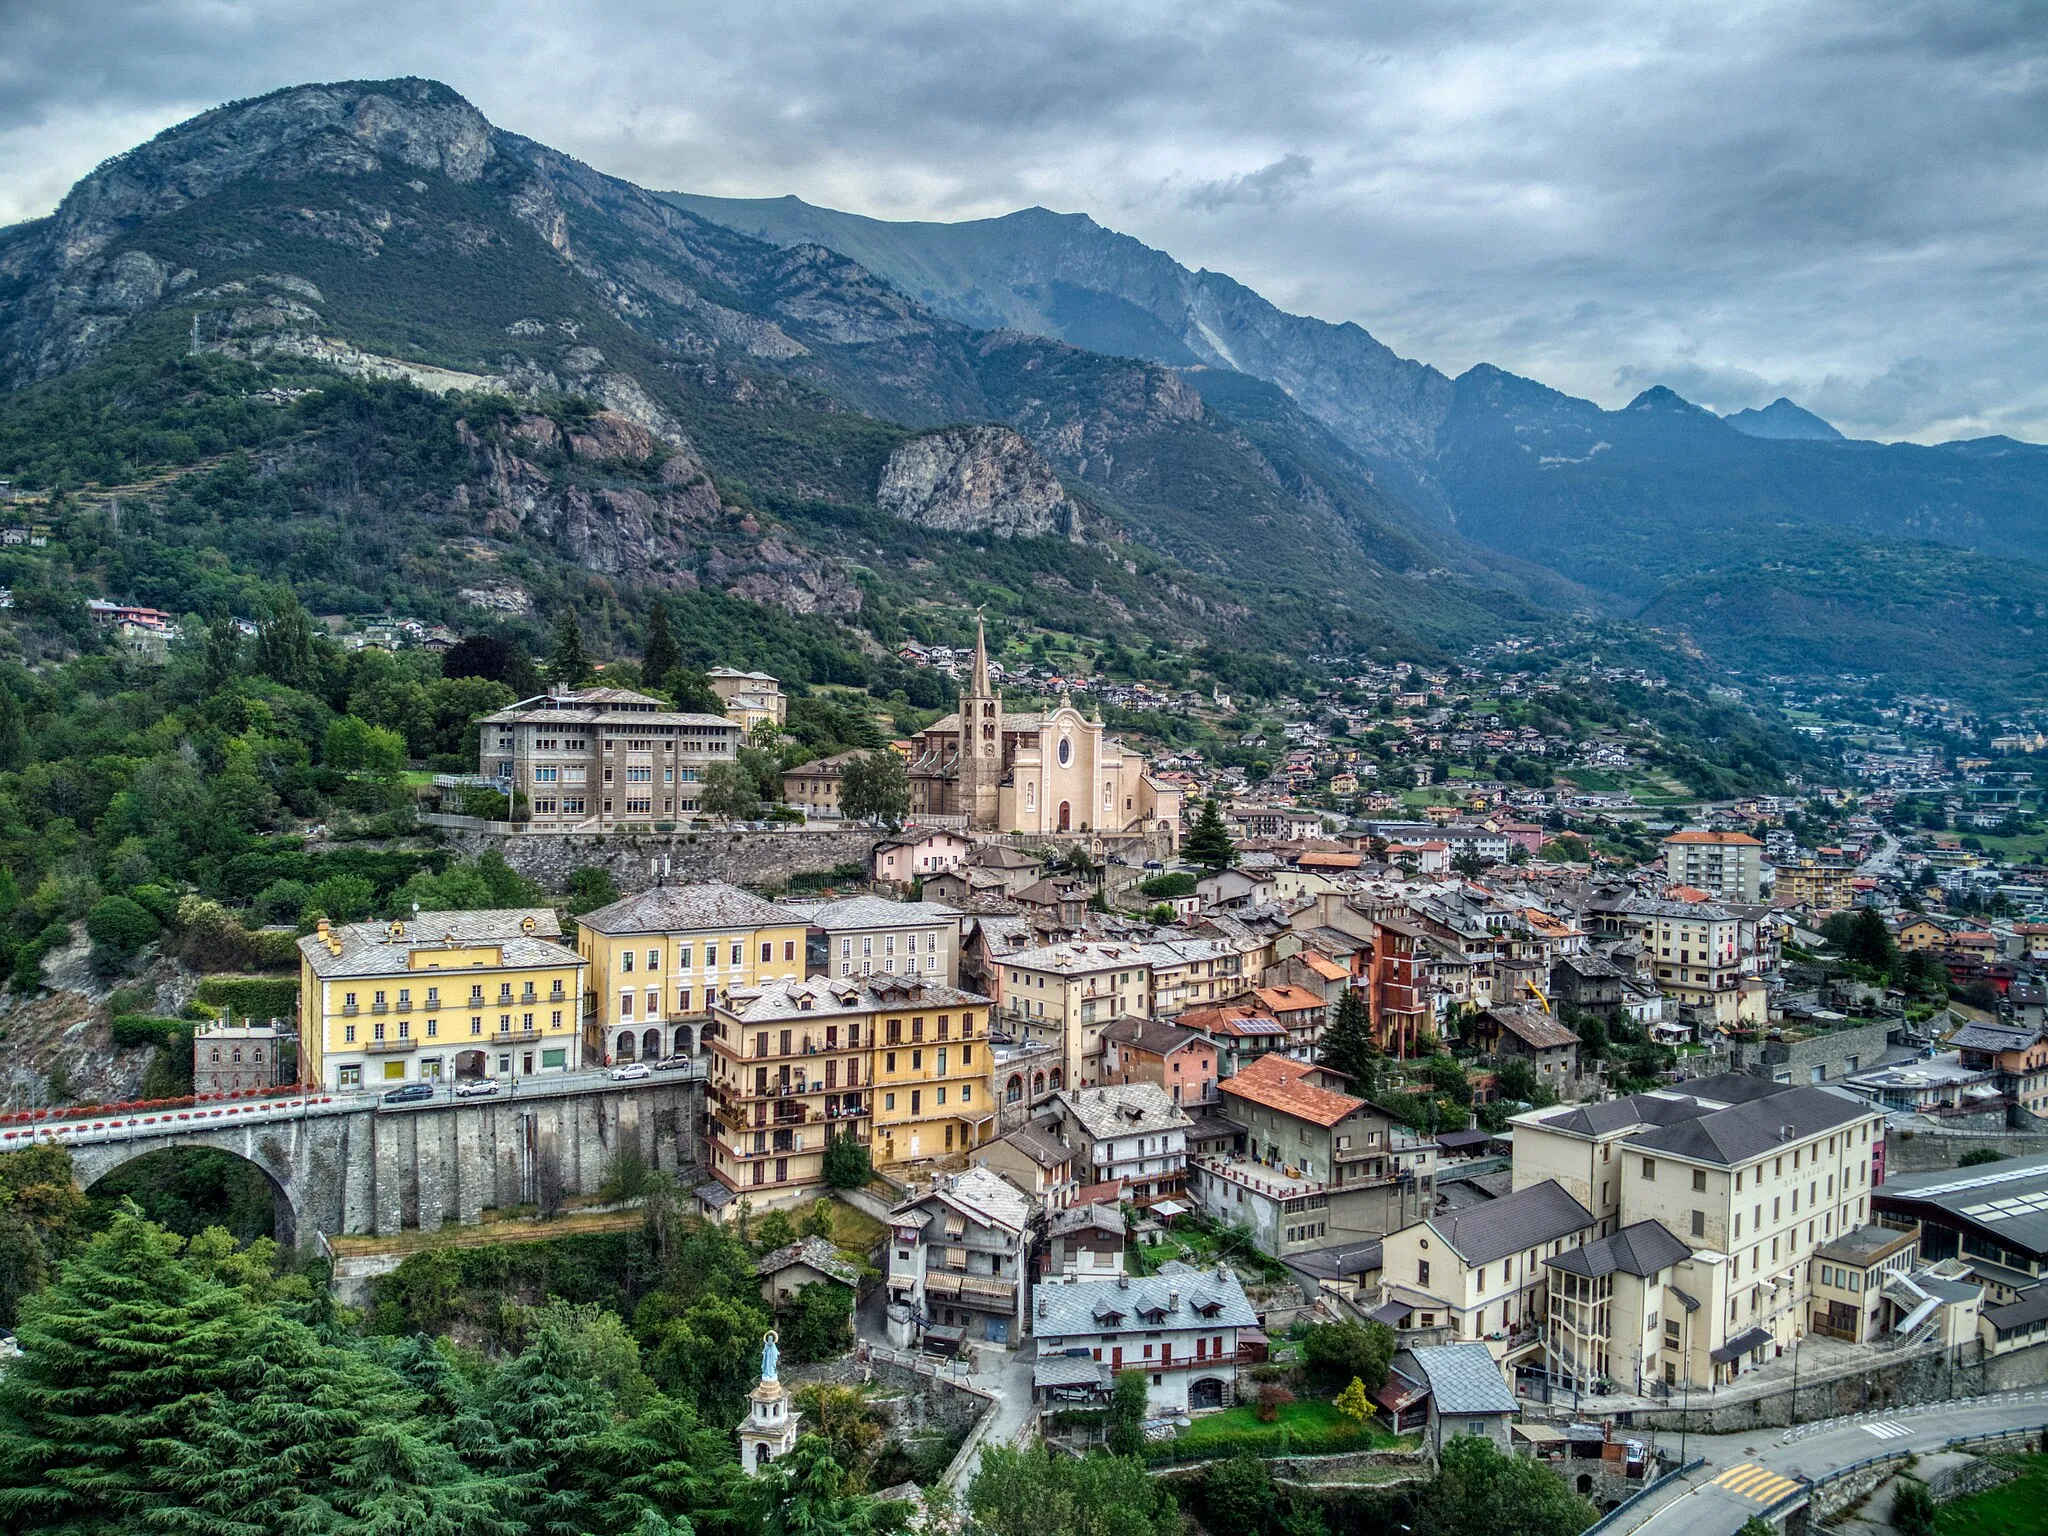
1768	538
356	337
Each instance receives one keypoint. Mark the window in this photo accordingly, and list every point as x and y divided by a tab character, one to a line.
1699	1178
1649	1170
1422	1271
1699	1223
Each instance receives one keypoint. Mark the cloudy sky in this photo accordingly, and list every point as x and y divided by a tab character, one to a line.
1844	203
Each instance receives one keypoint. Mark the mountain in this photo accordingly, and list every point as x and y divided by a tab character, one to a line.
1767	537
623	395
1782	419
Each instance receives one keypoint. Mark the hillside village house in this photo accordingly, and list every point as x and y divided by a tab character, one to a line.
1318	1165
751	698
592	759
446	995
1132	1136
957	1257
870	936
1241	1033
1531	1036
1042	772
815	787
1084	1242
1152	1051
1067	994
1033	1158
661	960
1184	1328
917	853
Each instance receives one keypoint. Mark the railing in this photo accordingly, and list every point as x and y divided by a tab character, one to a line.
390	1047
1614	1516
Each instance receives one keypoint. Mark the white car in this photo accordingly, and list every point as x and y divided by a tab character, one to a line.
475	1087
630	1070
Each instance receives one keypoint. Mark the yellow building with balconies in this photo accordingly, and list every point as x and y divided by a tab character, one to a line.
661	962
446	995
898	1063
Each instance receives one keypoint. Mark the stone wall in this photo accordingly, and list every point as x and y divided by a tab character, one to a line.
635	861
1887	1382
1925	1152
1832	1053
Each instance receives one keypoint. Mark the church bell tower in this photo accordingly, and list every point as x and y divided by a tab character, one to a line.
981	740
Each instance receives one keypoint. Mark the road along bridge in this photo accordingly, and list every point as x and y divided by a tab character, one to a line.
353	1164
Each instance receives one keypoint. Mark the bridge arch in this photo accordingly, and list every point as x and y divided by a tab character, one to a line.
270	1155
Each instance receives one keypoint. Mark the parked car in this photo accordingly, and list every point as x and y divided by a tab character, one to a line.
476	1087
631	1069
411	1093
673	1064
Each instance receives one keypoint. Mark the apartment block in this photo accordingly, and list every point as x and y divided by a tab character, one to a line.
591	759
1728	866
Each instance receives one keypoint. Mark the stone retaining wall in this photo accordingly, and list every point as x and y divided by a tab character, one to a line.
1934	1151
636	860
1887	1382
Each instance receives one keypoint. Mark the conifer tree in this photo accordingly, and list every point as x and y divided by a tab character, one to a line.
546	1417
659	657
13	730
1209	845
118	1357
284	644
569	663
1349	1047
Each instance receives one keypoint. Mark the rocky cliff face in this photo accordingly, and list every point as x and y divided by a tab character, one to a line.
977	480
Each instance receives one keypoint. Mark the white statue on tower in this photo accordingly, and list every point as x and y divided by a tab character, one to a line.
769	1430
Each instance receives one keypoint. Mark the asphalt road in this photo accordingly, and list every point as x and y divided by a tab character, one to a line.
1746	1474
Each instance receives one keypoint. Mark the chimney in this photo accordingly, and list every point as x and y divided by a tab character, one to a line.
1173	1301
1044	1306
1123	1281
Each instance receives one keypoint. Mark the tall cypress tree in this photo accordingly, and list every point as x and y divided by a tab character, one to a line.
569	664
118	1358
13	730
1348	1045
660	656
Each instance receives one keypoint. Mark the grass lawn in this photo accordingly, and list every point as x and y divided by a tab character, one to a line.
2017	1508
1306	1421
855	1231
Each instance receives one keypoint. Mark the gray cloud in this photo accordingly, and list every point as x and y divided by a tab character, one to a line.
1840	202
1269	184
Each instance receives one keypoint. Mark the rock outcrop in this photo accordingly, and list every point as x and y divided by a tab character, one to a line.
977	480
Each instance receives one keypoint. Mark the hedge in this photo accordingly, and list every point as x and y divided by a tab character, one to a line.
252	997
133	1029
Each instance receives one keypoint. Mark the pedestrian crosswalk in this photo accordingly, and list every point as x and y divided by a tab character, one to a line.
1760	1485
1886	1429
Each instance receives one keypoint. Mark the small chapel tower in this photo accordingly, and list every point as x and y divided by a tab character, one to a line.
768	1433
981	740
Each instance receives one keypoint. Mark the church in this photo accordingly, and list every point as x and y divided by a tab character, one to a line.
1048	773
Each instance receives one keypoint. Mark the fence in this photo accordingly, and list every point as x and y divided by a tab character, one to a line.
1613	1517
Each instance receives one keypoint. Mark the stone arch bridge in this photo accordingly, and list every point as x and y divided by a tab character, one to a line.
352	1164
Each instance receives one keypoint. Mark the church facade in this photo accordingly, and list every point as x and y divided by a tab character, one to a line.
1049	773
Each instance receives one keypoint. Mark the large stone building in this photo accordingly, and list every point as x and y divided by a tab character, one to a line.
751	698
448	994
592	759
1042	772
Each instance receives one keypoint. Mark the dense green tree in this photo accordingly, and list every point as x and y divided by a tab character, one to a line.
1913	1507
589	888
118	928
547	1408
1237	1496
1038	1492
659	656
41	1211
810	1494
118	1358
568	662
222	650
1480	1492
284	643
691	690
820	1322
1336	1353
1209	844
875	787
496	660
729	793
848	1163
13	731
1349	1046
1125	1431
706	1351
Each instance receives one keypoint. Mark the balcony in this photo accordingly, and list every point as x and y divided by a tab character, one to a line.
390	1047
515	1036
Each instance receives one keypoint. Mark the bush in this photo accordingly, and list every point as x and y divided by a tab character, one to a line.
1166	887
118	928
133	1029
1272	1398
252	997
848	1164
1337	1352
1978	1156
1126	1425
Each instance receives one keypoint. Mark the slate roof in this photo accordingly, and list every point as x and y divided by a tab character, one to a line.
1463	1379
867	912
838	996
1741	1345
1609	1116
1274	1082
1123	1109
1534	1029
1088	1306
1086	1218
1154	1035
981	1194
371	949
814	1251
1041	1144
2031	1307
1639	1250
670	908
1542	1213
1992	1037
1745	1131
1340	1261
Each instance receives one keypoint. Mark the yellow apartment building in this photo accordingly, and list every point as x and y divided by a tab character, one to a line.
897	1062
662	960
445	995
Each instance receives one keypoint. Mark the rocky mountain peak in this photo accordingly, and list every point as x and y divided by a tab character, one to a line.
984	479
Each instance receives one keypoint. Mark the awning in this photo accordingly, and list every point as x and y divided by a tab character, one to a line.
1742	1344
1169	1209
1069	1371
1539	1434
1391	1313
1684	1300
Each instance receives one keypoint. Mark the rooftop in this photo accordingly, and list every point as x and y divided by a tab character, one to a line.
524	935
1153	1035
868	912
688	908
1866	1245
1742	1132
1463	1378
1179	1297
1278	1083
1040	1143
1641	1250
981	1194
1541	1213
1126	1109
2007	1201
840	996
818	1253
